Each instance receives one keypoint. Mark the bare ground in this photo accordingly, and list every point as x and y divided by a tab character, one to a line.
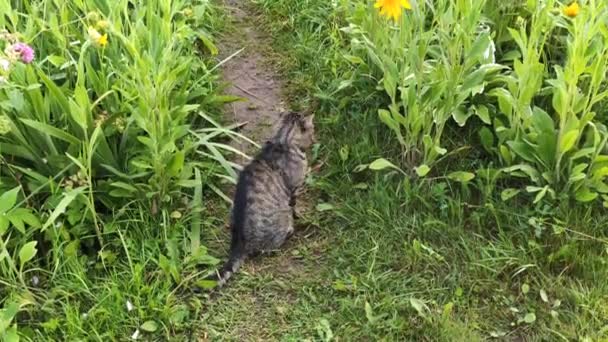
249	77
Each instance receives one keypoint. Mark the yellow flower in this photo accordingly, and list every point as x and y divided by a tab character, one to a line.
392	8
103	40
572	10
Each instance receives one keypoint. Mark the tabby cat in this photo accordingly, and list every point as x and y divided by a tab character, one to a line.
264	202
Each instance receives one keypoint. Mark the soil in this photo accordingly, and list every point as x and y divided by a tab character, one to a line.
250	78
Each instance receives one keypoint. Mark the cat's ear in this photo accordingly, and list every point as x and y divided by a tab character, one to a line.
308	120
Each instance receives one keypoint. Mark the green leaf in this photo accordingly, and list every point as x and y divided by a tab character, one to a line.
419	306
146	141
56	60
344	153
440	150
52	131
4	223
506	102
530	318
11	334
483	114
27	252
506	154
461	116
62	206
487	138
223	99
17	222
543	296
568	140
387	119
507	194
56	93
354	59
15	98
369	314
422	170
584	194
177	163
149	326
542	121
523	169
559	101
473	79
381	164
8	313
480	46
461	176
26	216
208	43
206	284
124	186
324	207
8	200
541	192
447	310
523	150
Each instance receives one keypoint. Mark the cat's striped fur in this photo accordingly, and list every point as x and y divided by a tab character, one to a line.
264	201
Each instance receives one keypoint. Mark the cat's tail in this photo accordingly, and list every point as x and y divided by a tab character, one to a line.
236	259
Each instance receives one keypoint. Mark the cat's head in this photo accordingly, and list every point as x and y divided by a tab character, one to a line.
296	129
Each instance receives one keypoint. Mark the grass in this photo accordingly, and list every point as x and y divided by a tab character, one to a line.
387	259
378	258
419	265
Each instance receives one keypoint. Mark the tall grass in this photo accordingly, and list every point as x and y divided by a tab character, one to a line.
109	128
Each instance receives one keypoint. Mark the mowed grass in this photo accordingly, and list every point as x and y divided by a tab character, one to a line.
383	258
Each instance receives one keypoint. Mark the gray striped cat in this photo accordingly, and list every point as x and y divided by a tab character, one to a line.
264	202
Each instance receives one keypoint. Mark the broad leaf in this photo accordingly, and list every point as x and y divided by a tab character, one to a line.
530	318
461	176
584	194
27	252
149	326
568	140
422	170
63	205
507	194
381	164
8	200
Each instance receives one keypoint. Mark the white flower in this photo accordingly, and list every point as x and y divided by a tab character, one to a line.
5	64
135	335
130	306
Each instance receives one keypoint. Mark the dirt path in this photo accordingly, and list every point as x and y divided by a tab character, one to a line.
255	303
249	77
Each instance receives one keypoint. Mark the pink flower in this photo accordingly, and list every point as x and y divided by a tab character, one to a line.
25	52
